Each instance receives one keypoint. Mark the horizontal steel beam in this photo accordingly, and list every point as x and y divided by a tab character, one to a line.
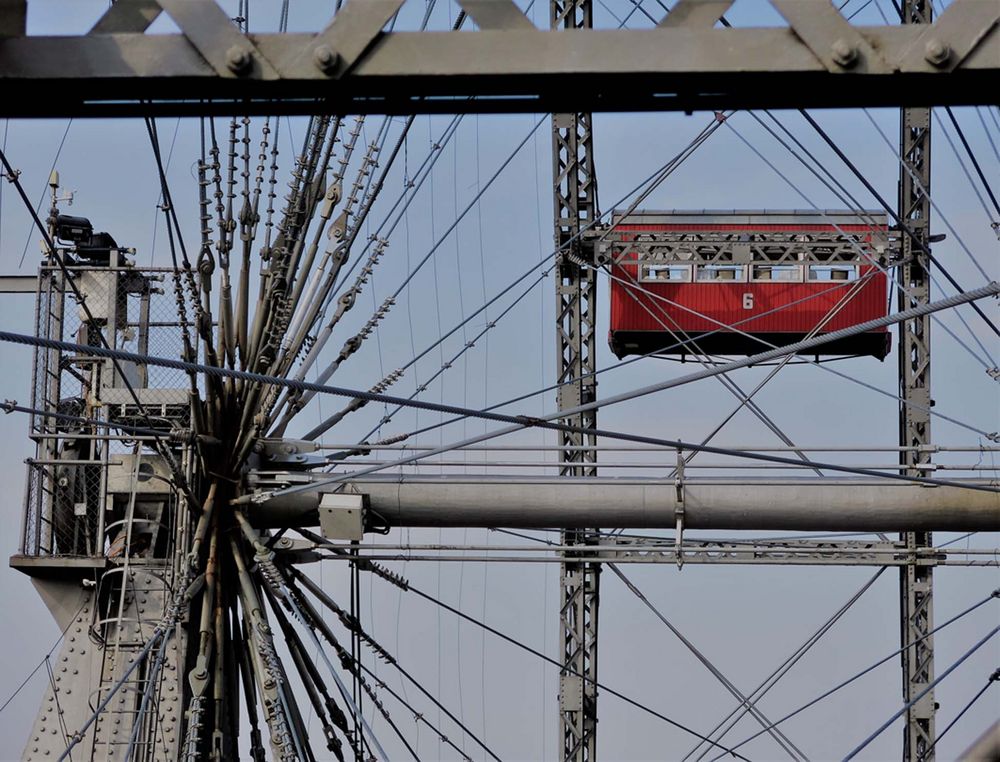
18	284
690	551
828	504
520	69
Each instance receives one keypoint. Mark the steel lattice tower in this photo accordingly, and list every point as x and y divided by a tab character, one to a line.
916	590
575	187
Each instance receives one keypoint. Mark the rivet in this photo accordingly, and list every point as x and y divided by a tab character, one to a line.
936	52
238	59
844	53
326	59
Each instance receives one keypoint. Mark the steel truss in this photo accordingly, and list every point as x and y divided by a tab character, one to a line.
698	245
689	551
916	581
352	66
575	194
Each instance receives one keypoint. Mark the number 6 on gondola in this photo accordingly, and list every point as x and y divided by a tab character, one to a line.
748	301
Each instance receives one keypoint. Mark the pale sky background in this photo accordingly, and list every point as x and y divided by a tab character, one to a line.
745	619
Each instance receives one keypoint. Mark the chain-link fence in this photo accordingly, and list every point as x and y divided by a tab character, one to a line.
67	502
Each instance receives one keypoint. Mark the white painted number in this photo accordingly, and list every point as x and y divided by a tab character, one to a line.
748	301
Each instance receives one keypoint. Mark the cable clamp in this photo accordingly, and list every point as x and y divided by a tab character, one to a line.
8	406
993	373
529	420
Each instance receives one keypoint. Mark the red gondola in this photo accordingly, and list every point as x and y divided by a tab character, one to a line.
737	283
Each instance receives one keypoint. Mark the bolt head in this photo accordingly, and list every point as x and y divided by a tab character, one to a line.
326	59
238	59
936	52
844	53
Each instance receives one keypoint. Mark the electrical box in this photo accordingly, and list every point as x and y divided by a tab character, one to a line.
341	516
154	475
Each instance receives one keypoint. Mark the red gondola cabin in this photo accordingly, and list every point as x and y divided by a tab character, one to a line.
738	283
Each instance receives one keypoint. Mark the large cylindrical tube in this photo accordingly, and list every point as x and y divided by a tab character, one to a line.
785	504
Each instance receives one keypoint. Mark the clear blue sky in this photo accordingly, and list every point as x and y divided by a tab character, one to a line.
746	619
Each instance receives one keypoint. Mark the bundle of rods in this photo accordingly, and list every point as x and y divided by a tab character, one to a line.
242	599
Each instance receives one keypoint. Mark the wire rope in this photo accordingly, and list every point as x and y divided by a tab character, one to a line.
41	198
972	158
601	686
759	339
994	677
937	628
779	738
930	686
519	422
658	176
847	197
730	721
45	658
994	224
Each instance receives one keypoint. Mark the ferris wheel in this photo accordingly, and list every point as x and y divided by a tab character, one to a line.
319	466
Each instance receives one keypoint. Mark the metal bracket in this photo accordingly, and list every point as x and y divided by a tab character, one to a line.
570	693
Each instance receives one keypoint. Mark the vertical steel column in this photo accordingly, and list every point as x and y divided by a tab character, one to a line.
575	189
916	592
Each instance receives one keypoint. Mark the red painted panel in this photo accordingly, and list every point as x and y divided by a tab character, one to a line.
792	307
777	307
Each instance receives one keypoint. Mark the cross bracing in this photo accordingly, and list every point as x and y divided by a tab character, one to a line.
353	65
343	167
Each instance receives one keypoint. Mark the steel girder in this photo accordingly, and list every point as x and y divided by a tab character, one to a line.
916	582
352	66
636	550
804	504
575	208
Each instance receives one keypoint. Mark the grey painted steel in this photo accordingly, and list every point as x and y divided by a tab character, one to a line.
689	241
819	60
18	284
986	748
575	208
916	582
692	551
87	670
827	504
700	218
13	17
